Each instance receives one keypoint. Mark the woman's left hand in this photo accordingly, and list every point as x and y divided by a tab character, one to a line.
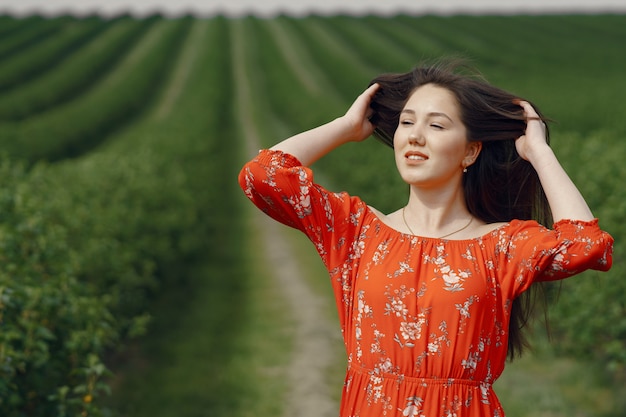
534	138
564	199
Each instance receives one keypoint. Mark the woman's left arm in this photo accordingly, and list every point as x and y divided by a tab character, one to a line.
564	198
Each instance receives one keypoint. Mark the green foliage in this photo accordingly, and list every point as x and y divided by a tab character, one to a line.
9	24
342	66
82	124
51	322
49	52
84	246
276	82
29	32
76	73
590	314
379	51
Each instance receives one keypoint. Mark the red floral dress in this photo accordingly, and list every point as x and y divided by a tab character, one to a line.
424	320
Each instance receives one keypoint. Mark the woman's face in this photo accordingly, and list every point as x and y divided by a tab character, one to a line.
430	143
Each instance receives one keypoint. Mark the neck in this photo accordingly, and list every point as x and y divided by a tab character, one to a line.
436	208
436	213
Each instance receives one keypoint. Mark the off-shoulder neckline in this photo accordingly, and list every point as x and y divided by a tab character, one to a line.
489	234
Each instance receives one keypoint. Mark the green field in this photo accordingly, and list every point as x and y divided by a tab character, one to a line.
136	280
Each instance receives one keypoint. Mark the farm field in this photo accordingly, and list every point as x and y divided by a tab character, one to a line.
138	281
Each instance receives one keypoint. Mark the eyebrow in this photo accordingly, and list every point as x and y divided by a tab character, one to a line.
431	114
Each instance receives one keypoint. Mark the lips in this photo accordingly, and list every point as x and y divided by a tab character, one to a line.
415	156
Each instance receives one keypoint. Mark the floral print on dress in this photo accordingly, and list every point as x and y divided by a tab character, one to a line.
413	407
424	320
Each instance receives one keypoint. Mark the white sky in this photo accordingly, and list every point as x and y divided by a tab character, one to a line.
302	7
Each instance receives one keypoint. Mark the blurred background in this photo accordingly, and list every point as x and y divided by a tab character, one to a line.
137	280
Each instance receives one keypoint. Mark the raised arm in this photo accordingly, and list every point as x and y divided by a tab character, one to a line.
311	145
565	200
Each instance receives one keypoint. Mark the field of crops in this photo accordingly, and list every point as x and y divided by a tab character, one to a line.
132	280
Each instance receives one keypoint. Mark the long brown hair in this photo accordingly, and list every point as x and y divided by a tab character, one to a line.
500	186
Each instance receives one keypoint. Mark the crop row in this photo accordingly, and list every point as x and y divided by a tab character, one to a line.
79	71
47	53
29	32
124	92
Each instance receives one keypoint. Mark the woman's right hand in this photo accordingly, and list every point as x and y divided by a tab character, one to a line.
357	116
353	126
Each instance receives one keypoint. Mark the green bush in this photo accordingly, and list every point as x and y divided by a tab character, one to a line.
82	256
86	243
51	322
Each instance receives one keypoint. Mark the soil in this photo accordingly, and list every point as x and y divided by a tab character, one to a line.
309	394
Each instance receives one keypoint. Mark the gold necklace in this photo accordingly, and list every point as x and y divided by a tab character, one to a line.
440	237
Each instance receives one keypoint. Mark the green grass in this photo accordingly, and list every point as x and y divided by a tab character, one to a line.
198	362
545	384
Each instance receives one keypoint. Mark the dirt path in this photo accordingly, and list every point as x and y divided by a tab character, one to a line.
187	60
302	64
309	394
281	37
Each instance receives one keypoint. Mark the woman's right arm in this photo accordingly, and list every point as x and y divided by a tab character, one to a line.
354	126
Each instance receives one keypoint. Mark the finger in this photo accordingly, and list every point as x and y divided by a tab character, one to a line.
372	89
530	113
368	96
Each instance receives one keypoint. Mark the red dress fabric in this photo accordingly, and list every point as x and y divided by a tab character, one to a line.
424	320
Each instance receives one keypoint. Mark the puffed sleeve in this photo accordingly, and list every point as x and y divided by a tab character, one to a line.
278	184
535	253
582	245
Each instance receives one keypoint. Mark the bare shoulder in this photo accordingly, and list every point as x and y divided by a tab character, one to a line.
477	229
378	213
393	220
485	228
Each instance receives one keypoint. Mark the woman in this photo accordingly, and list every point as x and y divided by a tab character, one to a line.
429	295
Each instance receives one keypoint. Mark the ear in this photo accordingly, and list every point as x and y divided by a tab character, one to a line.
471	152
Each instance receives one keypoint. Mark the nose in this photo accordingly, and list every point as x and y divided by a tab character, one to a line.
416	138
